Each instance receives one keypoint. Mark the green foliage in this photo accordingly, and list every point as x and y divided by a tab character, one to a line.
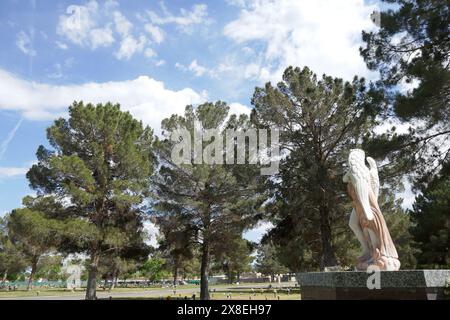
99	172
412	47
234	257
12	260
50	268
35	234
431	222
207	202
155	269
320	120
268	260
399	224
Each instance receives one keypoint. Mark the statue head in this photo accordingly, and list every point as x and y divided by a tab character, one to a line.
356	156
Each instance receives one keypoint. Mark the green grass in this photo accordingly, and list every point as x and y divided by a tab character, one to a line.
38	292
218	292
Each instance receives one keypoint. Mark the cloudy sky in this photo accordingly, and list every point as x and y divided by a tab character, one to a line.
155	57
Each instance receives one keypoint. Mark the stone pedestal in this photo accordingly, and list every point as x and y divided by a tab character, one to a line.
393	285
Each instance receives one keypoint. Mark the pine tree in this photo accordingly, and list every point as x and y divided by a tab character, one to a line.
234	256
99	170
209	200
12	259
431	221
412	47
34	234
320	120
268	261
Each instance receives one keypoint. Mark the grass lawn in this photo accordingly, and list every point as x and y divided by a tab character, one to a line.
218	292
38	292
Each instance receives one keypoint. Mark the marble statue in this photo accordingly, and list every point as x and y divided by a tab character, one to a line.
366	219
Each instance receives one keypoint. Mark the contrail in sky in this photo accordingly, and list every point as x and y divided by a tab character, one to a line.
4	145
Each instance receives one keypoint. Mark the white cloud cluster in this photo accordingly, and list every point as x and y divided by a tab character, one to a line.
80	26
95	25
25	43
197	15
239	108
10	172
146	99
156	33
323	34
197	69
123	25
129	46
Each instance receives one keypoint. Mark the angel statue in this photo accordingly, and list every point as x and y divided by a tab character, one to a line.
366	219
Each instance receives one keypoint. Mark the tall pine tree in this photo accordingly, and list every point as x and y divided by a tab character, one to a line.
99	169
211	201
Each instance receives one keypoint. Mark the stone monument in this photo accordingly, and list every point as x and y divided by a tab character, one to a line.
378	275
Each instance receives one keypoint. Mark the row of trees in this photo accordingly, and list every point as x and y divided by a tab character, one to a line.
104	173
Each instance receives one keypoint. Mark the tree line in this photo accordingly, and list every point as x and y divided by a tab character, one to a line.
104	173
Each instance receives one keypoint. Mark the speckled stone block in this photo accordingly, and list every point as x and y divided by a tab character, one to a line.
398	285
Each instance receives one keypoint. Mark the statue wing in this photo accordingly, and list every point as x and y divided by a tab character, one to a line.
374	180
360	179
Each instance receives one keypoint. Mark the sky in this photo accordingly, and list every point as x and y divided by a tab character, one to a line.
154	58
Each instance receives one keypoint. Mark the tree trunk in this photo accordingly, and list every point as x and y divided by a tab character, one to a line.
91	290
204	271
34	262
5	275
328	256
113	280
175	274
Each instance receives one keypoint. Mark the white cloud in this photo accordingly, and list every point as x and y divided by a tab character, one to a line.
4	145
129	46
239	3
123	25
57	74
197	69
61	45
258	232
323	34
150	53
80	26
24	42
180	66
238	108
408	196
156	33
408	87
160	63
153	233
78	21
147	99
101	37
96	24
197	15
10	172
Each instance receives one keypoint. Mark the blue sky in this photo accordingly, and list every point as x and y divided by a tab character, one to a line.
154	57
